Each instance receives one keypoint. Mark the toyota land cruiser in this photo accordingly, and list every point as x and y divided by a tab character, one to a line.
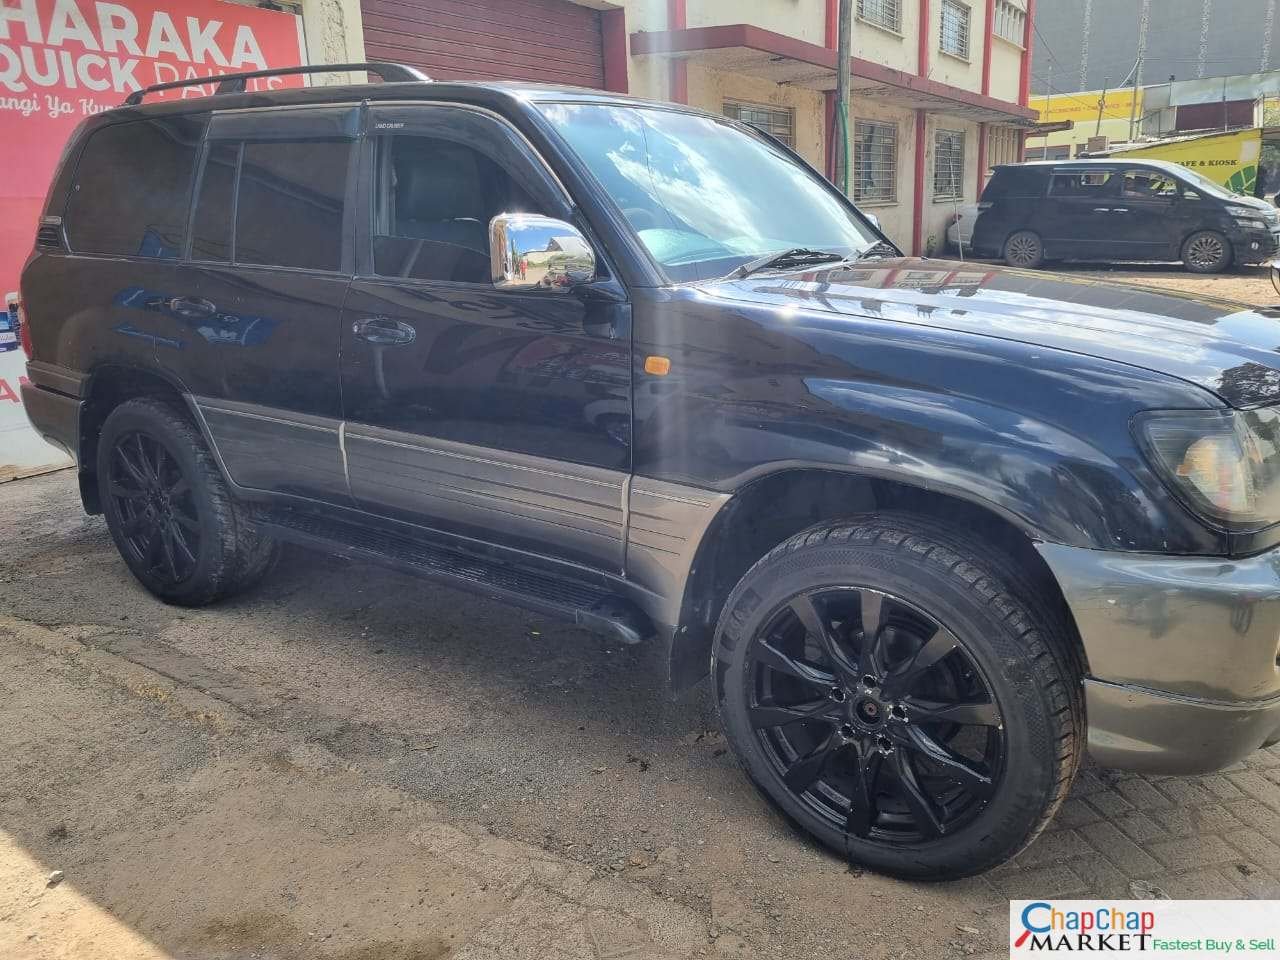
931	528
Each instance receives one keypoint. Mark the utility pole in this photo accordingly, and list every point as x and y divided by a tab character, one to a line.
844	55
1133	107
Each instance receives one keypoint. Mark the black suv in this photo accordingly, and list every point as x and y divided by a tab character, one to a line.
1120	210
639	366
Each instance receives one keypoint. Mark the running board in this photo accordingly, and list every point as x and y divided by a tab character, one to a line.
589	606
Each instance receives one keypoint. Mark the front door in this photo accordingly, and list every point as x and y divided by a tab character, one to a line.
503	415
1144	217
253	319
1076	221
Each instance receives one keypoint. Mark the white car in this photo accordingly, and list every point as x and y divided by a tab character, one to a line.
960	227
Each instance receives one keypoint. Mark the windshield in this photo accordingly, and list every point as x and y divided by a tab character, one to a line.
1207	185
704	196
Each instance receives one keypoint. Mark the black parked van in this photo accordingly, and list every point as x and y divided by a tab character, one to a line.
930	528
1104	210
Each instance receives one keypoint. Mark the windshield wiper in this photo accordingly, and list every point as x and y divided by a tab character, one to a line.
795	257
878	249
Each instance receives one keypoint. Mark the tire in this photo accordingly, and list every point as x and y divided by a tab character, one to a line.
1207	251
966	715
169	510
1024	250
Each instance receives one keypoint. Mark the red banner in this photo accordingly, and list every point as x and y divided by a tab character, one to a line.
64	60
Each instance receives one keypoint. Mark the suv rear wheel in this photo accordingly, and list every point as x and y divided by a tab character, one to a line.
1206	251
169	510
1024	249
901	695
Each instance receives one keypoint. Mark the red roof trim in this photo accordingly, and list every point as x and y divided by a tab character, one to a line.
696	39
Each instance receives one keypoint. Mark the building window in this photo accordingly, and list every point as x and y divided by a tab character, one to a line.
1011	21
948	164
882	13
1002	146
875	162
955	29
779	122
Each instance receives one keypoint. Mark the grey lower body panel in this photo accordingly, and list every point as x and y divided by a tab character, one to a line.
1183	655
269	450
54	416
1153	732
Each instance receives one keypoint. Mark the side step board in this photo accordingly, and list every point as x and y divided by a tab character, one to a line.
588	605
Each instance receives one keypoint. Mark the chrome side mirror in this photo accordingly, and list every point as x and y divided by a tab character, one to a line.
532	252
1273	268
873	220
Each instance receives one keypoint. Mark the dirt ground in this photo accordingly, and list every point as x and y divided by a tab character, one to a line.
1250	285
348	764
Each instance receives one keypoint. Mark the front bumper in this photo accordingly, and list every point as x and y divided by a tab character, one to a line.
1183	653
1255	246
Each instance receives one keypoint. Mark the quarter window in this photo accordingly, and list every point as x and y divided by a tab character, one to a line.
883	13
780	122
132	188
955	29
948	164
875	162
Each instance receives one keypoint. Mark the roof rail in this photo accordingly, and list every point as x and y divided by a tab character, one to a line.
236	82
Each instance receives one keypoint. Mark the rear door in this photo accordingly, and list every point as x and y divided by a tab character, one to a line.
252	323
500	414
1077	221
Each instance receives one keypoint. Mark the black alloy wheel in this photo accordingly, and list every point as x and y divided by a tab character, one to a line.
160	525
169	509
903	691
875	716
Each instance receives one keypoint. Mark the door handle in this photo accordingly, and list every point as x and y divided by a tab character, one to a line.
192	308
1101	209
1120	210
383	331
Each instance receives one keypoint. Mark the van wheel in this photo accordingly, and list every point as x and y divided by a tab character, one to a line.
900	694
169	510
1024	250
1206	251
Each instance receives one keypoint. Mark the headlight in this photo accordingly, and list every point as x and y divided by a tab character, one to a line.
1224	464
1242	212
1251	224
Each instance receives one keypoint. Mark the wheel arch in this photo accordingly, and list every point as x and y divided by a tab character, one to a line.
109	384
775	505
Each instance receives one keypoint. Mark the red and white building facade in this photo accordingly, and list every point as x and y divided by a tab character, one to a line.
939	94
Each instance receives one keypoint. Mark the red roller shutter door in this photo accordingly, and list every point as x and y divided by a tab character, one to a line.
551	41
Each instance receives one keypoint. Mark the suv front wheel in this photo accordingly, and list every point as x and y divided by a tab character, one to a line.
169	510
900	694
1207	251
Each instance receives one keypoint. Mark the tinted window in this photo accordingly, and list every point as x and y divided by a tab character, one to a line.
435	200
1015	182
1148	185
1079	183
290	206
215	205
132	188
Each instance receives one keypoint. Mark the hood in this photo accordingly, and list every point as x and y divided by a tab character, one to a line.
1229	348
1261	205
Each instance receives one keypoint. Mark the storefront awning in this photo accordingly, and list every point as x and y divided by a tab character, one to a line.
743	48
